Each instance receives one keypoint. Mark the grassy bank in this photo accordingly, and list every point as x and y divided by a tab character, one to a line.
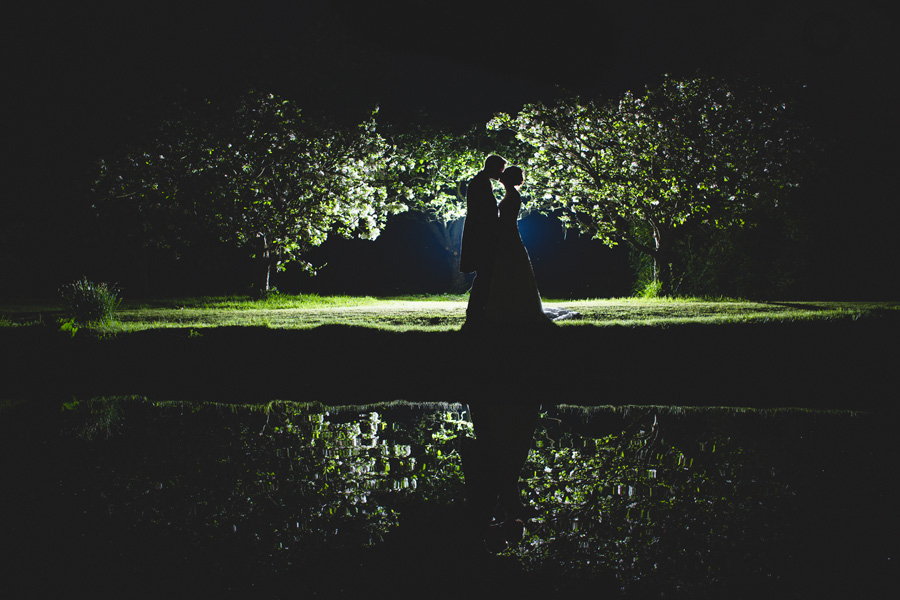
355	350
845	363
426	313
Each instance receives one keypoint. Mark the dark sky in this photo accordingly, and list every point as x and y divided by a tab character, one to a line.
93	68
83	78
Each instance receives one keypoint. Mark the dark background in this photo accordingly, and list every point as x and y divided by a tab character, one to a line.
83	80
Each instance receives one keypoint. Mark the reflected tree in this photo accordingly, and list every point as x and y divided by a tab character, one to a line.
277	486
651	512
642	501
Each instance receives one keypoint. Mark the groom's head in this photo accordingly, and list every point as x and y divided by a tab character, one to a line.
494	165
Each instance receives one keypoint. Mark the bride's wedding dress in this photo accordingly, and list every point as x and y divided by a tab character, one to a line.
514	295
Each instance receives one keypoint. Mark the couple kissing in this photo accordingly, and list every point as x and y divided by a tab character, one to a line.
504	291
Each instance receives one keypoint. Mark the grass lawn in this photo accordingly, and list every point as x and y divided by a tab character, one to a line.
427	313
361	350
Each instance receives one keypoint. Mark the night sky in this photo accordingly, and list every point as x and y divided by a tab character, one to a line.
85	78
95	68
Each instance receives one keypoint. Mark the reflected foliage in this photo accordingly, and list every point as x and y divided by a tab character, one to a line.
650	507
282	483
303	498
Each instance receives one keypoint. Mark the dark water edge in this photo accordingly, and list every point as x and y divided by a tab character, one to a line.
125	497
845	364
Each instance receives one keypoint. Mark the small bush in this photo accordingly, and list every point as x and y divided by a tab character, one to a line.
650	290
86	301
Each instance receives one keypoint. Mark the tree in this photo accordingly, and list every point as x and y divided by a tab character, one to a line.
646	170
430	171
259	175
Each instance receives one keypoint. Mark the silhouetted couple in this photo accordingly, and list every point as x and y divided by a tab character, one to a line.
504	291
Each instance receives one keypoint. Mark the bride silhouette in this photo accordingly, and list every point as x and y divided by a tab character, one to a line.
514	298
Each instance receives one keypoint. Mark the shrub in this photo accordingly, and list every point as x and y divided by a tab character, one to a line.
86	301
650	290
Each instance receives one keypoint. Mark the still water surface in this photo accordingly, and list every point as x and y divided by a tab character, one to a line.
126	497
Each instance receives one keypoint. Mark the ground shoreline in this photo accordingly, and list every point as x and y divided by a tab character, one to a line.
839	364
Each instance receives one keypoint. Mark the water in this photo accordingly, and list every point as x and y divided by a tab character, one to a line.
129	498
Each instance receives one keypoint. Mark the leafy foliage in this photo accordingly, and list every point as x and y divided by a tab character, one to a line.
86	301
258	175
647	169
430	171
432	167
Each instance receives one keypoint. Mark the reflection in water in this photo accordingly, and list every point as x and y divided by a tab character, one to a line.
492	465
124	496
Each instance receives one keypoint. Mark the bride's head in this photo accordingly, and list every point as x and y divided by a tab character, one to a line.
512	176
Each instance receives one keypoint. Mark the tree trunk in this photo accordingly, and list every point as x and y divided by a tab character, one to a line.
662	263
662	273
265	280
265	261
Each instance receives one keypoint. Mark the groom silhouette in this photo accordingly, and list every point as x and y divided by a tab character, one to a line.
479	239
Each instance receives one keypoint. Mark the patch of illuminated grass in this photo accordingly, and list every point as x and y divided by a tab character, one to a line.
430	313
631	311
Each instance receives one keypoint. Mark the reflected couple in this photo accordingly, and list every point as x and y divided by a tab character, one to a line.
492	463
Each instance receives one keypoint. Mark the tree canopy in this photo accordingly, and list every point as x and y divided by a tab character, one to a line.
259	175
430	171
646	169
